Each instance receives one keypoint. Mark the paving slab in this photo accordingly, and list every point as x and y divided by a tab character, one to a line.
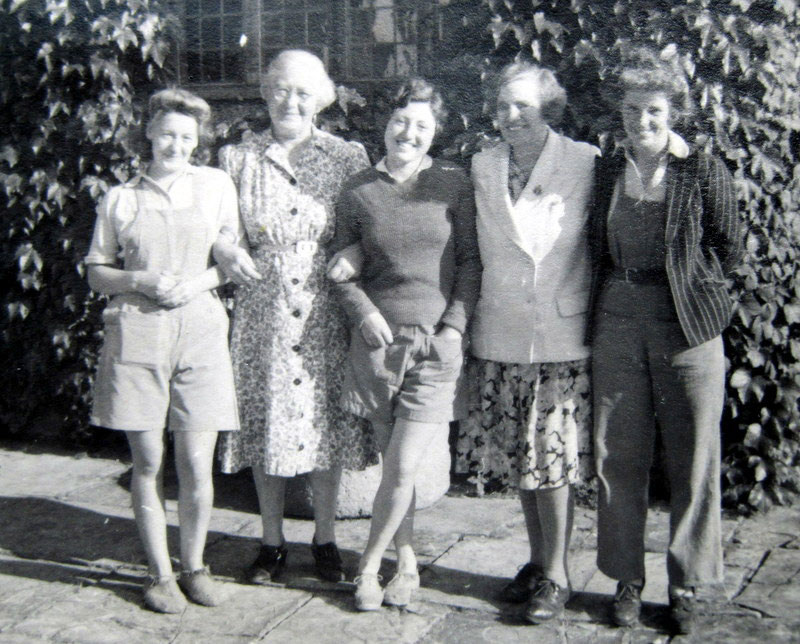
71	569
332	619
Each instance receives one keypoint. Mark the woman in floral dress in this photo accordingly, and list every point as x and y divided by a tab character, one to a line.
288	340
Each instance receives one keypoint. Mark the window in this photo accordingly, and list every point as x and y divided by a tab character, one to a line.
230	42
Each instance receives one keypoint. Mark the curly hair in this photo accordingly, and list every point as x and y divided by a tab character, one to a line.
181	101
553	97
642	68
418	90
326	89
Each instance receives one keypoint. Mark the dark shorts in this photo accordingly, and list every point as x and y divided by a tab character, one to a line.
418	377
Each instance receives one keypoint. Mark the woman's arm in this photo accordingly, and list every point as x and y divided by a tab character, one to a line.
185	290
468	263
113	281
721	225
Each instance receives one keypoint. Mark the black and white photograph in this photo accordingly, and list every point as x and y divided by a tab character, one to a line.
419	321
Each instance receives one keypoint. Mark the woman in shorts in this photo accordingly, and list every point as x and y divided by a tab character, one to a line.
165	360
413	219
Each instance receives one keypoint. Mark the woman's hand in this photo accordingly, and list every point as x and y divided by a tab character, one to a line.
346	264
154	285
375	331
182	293
449	333
235	262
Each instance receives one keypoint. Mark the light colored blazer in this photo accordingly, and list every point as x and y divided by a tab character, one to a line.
534	297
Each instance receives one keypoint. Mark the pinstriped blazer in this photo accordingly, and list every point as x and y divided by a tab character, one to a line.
703	239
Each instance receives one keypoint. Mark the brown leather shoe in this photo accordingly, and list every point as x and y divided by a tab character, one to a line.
547	601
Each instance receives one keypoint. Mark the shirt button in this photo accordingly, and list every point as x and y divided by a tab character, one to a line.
293	211
296	348
296	313
295	280
301	447
297	381
293	181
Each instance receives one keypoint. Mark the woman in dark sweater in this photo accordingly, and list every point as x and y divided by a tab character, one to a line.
665	233
413	219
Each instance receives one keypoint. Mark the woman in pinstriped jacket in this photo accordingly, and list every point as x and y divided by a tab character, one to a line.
664	234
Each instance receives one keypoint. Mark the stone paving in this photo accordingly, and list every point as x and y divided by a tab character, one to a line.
71	570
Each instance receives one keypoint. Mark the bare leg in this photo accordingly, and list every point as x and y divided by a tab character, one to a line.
407	447
403	540
194	455
147	490
271	492
325	488
556	509
530	510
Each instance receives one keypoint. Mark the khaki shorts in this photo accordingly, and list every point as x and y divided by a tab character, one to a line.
418	377
167	368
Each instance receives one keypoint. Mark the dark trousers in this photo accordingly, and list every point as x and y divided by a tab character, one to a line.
644	372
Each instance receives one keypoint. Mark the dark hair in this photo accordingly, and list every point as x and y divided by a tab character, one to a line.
642	68
418	90
183	102
552	96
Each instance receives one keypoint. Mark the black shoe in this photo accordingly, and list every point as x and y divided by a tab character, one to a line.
327	561
547	601
269	564
681	613
518	590
627	604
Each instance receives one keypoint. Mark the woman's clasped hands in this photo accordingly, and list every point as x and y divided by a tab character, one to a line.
170	291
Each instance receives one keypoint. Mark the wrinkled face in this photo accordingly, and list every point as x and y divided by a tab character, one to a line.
646	119
173	137
519	115
292	99
409	133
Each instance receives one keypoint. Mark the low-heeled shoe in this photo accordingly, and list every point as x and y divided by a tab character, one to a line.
518	590
269	564
682	613
627	604
327	561
547	601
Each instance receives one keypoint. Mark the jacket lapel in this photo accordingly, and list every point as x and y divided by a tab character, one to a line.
495	180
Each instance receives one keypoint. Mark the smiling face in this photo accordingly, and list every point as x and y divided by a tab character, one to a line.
409	134
173	137
646	119
292	100
519	115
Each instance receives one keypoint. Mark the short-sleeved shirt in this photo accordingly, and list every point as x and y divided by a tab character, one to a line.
117	212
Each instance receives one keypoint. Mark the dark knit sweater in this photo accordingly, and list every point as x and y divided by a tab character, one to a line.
421	262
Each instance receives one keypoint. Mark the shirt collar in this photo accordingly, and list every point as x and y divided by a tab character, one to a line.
141	177
424	164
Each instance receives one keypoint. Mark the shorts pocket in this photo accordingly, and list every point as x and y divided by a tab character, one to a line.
445	359
143	339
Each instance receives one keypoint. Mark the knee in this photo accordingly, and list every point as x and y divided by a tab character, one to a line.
147	468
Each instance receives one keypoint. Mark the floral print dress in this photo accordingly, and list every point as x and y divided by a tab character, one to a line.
289	340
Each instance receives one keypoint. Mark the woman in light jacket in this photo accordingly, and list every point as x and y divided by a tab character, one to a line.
533	415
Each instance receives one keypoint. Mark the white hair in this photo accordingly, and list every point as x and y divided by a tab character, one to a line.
326	90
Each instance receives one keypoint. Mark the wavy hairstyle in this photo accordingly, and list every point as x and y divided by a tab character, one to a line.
553	97
181	101
418	90
643	68
326	89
